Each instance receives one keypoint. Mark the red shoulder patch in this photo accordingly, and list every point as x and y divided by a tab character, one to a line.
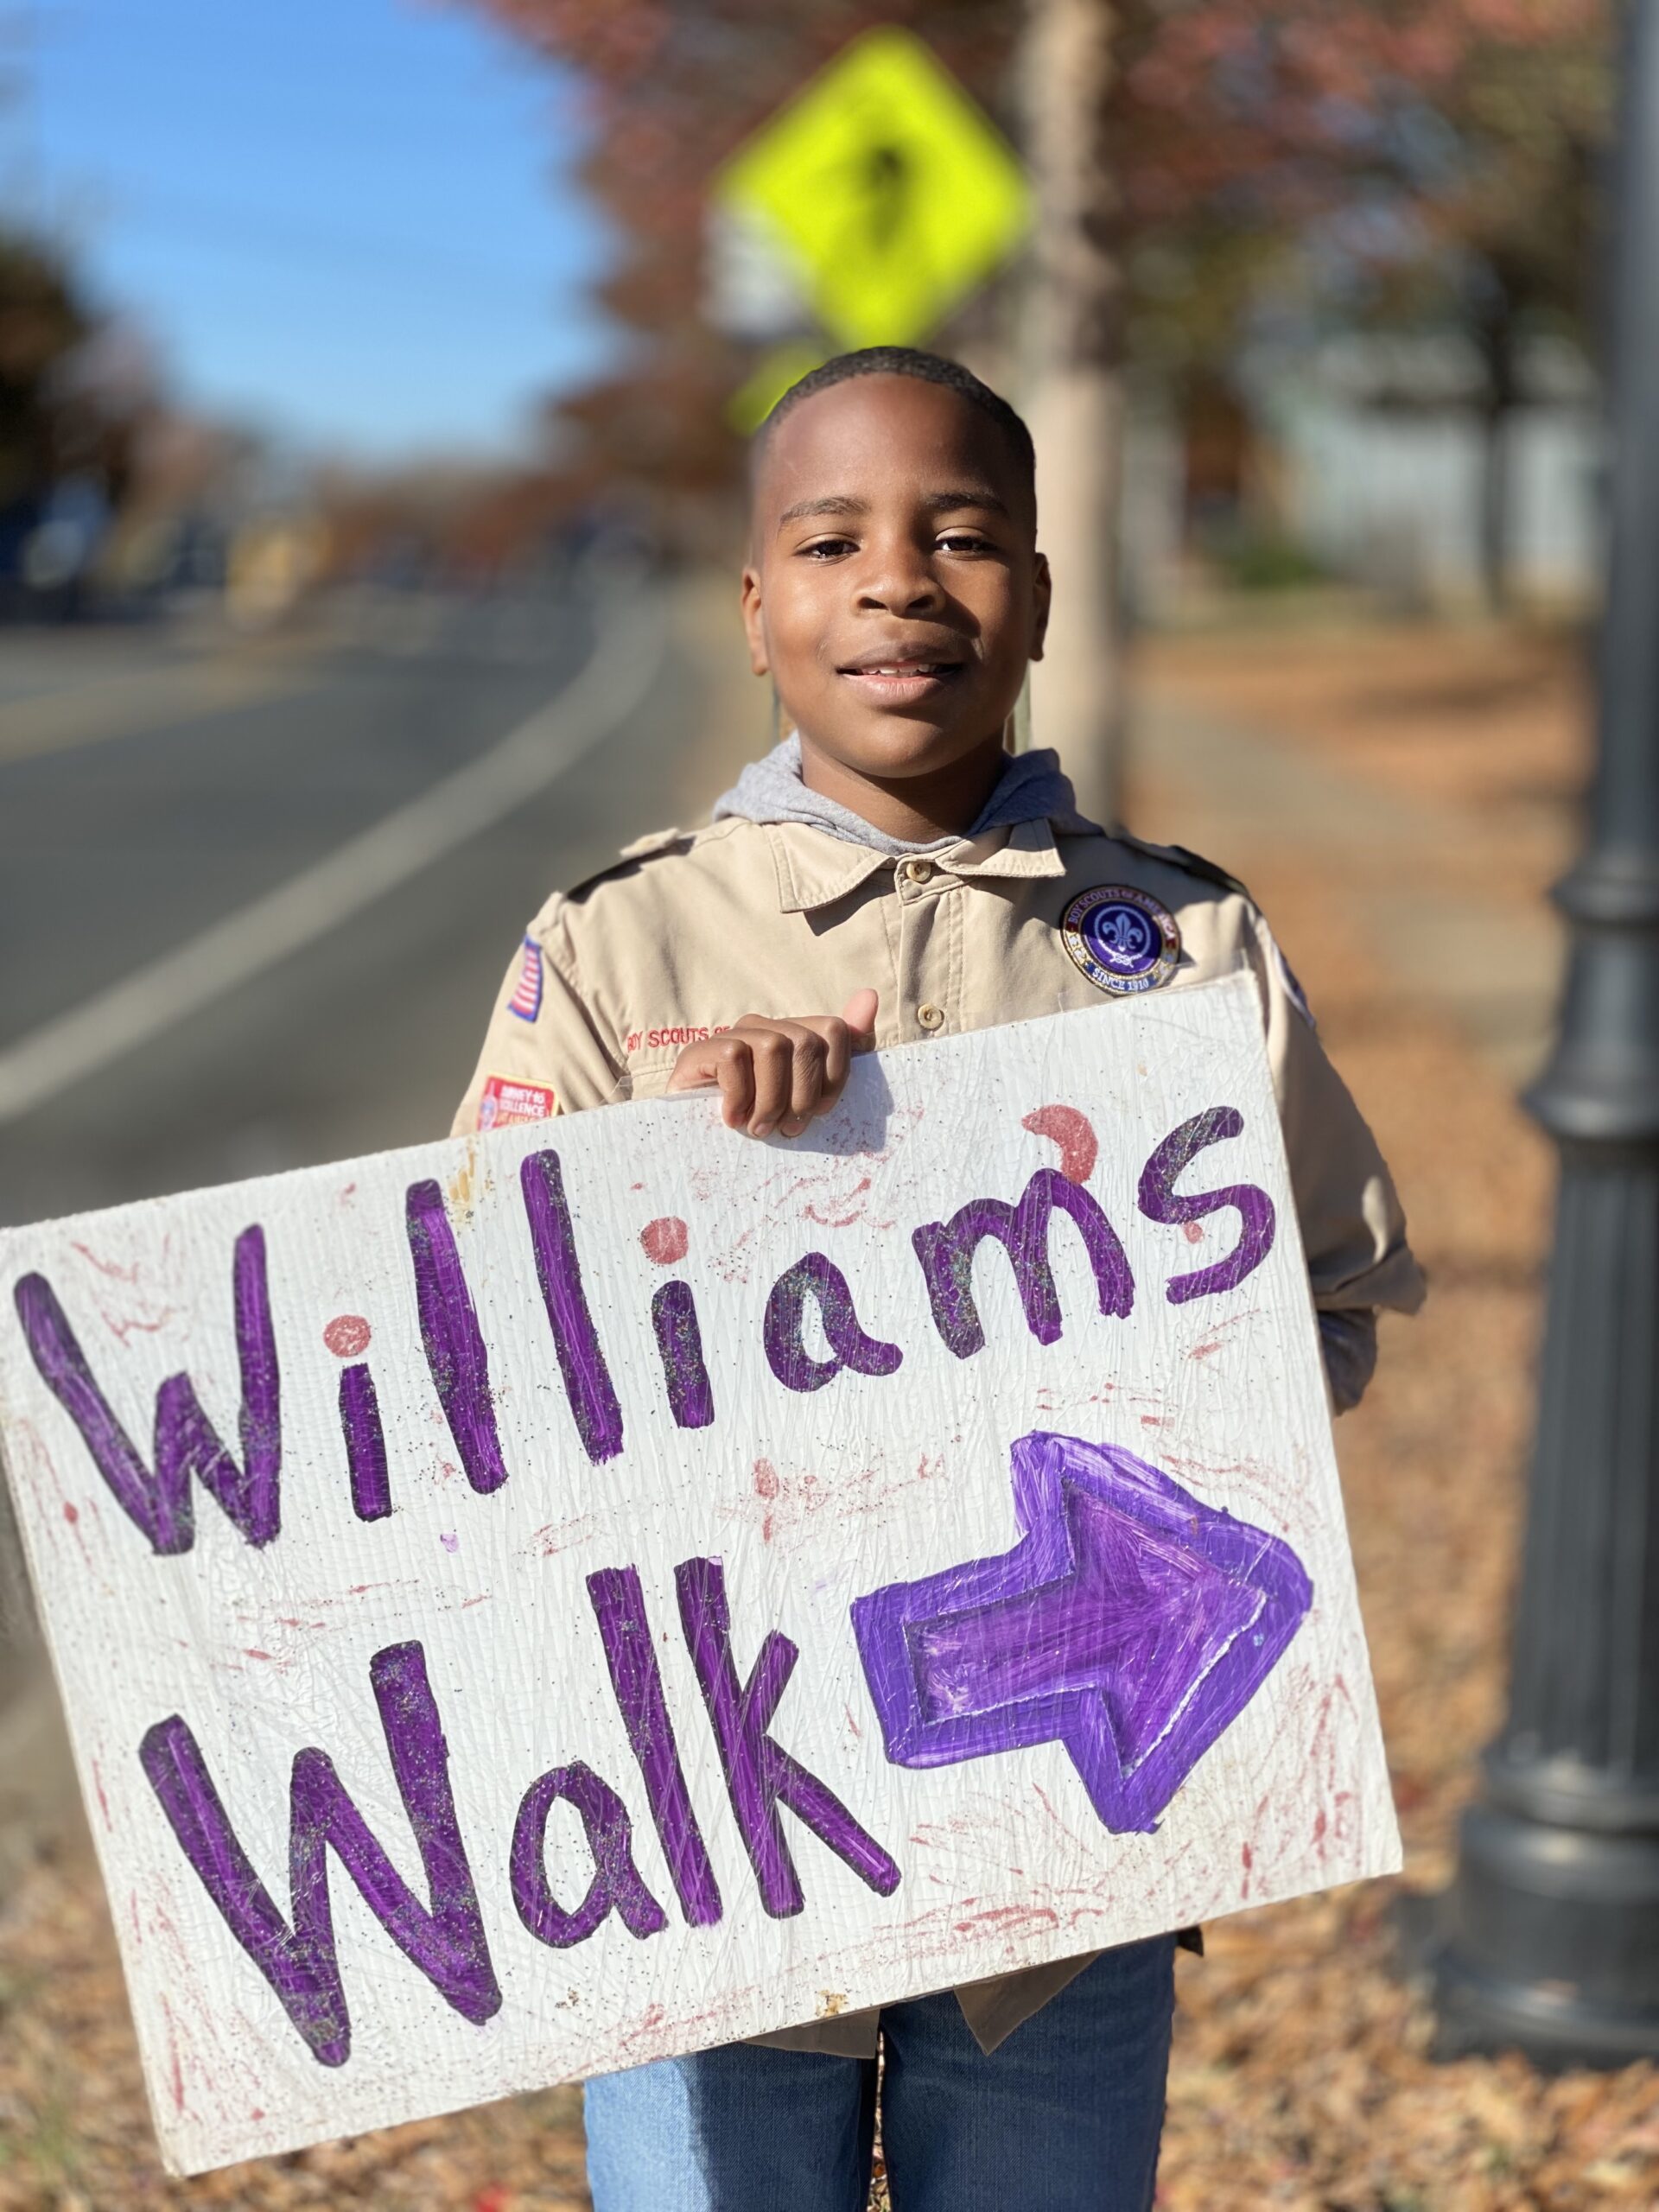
505	1100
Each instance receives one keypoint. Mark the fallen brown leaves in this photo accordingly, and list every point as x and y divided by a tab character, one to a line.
1301	2074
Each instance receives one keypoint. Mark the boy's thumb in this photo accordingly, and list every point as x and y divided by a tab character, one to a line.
859	1015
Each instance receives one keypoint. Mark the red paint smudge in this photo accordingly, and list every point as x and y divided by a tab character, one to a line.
841	1220
665	1240
123	1329
766	1487
1193	1231
249	1651
348	1335
103	1802
851	1723
71	1514
109	1266
1073	1132
176	2067
557	1535
1005	1919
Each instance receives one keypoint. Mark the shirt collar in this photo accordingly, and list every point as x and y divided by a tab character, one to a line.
814	868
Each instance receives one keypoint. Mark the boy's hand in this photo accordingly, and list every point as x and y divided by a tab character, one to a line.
780	1075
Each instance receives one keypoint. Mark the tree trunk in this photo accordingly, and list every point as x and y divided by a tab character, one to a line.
1074	384
1495	337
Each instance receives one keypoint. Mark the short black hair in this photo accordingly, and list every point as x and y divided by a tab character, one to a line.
927	368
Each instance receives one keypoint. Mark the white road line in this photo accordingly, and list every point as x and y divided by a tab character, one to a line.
626	659
134	701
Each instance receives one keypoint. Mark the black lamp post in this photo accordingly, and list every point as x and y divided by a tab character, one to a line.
1551	1939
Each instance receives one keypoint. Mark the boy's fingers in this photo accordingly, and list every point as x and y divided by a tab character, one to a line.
808	1069
778	1075
724	1062
734	1072
771	1052
699	1066
859	1015
837	1060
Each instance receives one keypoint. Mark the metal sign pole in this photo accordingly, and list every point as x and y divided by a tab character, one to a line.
1553	1937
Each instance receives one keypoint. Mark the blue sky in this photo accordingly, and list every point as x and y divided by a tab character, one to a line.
348	221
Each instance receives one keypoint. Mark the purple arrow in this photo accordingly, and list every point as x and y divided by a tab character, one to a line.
1130	1622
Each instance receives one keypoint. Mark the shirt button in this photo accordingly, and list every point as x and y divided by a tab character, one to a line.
919	871
931	1017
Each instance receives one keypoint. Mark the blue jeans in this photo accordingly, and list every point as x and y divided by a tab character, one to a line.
1064	2115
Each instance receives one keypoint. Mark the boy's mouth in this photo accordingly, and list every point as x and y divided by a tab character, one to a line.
898	678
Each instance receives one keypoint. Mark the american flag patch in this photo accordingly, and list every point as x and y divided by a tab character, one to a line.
526	1000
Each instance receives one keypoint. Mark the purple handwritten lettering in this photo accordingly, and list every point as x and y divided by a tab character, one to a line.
162	1505
679	1344
454	1342
365	1443
946	1251
817	1278
617	1885
1159	1202
581	1362
759	1774
625	1631
445	1941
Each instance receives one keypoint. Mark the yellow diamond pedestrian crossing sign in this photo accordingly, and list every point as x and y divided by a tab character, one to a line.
885	187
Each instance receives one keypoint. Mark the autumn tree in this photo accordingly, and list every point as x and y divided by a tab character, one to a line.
1213	137
1418	166
43	318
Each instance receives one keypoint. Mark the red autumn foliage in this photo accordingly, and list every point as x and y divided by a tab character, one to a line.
1468	127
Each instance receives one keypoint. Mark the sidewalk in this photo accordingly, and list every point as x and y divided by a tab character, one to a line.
1397	801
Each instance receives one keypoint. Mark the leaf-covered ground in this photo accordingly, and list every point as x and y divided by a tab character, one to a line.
1301	2074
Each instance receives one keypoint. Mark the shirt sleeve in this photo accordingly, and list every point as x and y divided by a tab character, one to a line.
545	1052
1352	1223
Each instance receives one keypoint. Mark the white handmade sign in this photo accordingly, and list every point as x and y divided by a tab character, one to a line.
539	1602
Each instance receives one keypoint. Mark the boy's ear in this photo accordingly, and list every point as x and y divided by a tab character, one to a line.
751	628
1042	589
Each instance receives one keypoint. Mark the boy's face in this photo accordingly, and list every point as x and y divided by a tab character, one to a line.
894	593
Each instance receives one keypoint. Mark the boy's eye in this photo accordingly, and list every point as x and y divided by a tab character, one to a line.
826	548
965	541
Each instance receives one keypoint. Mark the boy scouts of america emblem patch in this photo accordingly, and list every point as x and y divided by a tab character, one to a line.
1121	938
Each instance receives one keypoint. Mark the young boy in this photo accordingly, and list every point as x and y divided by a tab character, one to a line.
891	861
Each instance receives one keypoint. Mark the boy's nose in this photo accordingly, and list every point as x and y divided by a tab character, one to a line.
901	589
900	583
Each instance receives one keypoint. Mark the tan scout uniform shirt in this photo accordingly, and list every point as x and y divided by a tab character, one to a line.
693	931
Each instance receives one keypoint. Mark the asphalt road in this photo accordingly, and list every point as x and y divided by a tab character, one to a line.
153	784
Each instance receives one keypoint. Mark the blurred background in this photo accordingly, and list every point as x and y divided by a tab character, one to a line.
374	381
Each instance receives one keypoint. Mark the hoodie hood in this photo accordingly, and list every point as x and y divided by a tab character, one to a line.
1031	788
